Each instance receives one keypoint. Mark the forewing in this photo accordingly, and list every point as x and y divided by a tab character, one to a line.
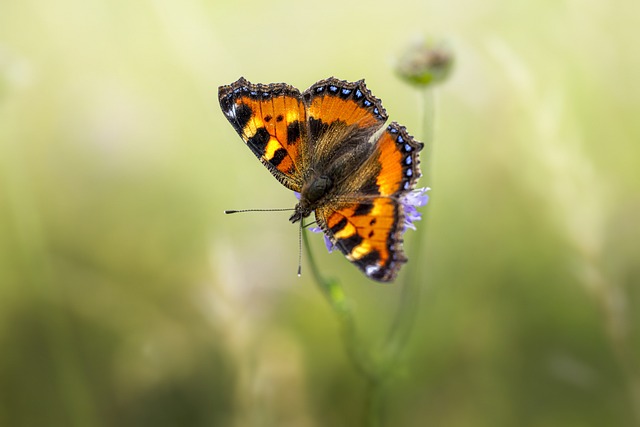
341	117
271	120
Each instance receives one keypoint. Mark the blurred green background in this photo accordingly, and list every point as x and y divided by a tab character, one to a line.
127	298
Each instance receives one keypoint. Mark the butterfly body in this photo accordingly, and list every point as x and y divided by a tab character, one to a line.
314	190
326	144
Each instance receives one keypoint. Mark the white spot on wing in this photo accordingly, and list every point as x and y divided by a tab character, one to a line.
232	112
371	269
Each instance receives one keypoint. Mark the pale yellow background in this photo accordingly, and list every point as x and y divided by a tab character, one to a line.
127	298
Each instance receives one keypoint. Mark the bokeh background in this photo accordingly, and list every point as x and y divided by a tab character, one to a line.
127	298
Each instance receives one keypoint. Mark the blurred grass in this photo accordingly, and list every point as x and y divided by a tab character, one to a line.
127	298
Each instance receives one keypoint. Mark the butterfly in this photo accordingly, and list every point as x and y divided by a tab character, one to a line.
328	144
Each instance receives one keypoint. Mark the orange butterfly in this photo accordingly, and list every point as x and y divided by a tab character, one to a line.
325	145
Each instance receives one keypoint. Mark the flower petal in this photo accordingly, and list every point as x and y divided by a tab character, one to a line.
410	201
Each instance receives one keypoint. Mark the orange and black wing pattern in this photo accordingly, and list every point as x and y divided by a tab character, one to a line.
367	221
338	112
271	119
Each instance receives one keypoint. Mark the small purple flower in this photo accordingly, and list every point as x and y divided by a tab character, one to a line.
410	202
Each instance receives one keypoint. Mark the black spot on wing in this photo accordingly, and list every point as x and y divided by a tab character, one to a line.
293	132
363	209
339	226
238	115
259	141
278	156
316	128
370	187
348	243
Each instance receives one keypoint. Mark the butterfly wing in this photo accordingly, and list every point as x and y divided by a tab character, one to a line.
341	116
366	220
271	120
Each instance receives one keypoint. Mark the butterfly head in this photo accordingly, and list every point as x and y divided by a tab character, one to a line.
312	194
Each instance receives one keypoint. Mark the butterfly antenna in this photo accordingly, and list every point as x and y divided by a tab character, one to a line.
300	250
257	210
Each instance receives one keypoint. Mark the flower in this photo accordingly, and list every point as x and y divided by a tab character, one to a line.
410	202
425	62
